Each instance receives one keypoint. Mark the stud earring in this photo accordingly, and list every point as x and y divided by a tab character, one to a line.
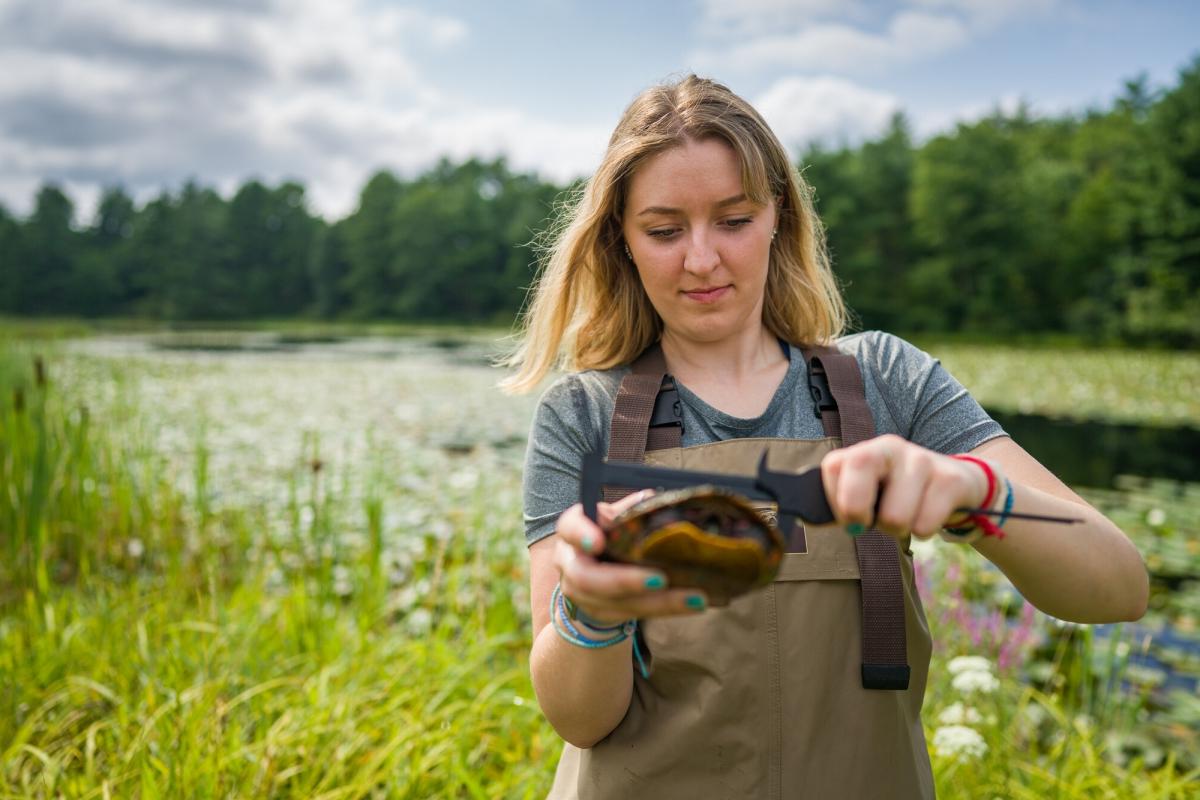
628	254
773	233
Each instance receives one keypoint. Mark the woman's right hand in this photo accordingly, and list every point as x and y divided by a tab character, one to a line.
610	592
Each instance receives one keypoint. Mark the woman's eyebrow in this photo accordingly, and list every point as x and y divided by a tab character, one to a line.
728	201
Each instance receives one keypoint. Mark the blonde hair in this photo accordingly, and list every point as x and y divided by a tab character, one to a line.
588	308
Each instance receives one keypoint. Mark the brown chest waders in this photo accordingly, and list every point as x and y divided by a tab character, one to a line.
765	698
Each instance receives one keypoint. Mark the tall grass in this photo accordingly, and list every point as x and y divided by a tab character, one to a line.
152	647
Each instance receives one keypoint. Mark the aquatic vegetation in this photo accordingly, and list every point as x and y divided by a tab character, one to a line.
1108	385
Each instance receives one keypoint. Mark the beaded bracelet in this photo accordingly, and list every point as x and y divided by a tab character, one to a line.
569	633
594	625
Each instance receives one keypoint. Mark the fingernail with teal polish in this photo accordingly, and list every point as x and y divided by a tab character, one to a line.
655	582
586	544
696	601
855	529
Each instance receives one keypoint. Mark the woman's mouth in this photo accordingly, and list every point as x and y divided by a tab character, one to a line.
709	294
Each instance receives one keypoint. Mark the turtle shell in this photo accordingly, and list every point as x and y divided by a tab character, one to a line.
702	537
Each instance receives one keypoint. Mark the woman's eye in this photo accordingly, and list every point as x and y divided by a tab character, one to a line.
738	222
662	233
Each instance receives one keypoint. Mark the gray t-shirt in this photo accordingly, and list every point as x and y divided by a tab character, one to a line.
909	393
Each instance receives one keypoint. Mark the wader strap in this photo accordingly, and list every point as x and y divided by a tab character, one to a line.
846	414
646	415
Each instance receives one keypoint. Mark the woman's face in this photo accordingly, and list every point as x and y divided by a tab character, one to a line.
700	245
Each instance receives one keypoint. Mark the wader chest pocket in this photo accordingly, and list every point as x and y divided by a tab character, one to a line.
830	557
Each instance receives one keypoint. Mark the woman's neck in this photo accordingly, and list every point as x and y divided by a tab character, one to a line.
733	361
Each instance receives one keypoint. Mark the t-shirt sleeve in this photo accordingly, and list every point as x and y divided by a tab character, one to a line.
926	404
561	433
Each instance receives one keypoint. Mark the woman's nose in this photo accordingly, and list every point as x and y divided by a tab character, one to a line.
701	257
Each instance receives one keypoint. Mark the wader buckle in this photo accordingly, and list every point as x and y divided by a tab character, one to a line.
818	389
667	411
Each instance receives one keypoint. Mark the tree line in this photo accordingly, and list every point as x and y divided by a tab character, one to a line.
1086	225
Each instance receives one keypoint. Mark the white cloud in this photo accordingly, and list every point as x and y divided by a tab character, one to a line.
836	47
754	17
935	121
354	140
149	93
828	109
853	37
989	14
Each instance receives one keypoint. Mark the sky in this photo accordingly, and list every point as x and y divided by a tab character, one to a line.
147	94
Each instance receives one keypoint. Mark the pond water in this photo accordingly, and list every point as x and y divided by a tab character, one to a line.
1094	453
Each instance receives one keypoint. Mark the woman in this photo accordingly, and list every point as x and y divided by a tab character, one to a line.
694	251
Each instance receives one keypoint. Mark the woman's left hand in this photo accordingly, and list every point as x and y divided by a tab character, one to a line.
899	487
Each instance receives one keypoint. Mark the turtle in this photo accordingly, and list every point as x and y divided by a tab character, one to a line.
702	537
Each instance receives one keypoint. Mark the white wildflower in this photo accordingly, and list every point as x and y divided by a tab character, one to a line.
419	622
958	714
1032	715
959	741
1156	517
411	517
975	681
398	575
352	540
969	664
924	549
464	479
135	548
342	584
406	598
440	529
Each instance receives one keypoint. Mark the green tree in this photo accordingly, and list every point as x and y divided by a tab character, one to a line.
447	245
194	276
1164	303
328	270
150	248
1104	234
99	279
971	204
44	272
11	253
462	228
371	248
863	199
271	249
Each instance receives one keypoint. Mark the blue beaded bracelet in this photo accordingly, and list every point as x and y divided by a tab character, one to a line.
968	534
577	614
1008	504
569	633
